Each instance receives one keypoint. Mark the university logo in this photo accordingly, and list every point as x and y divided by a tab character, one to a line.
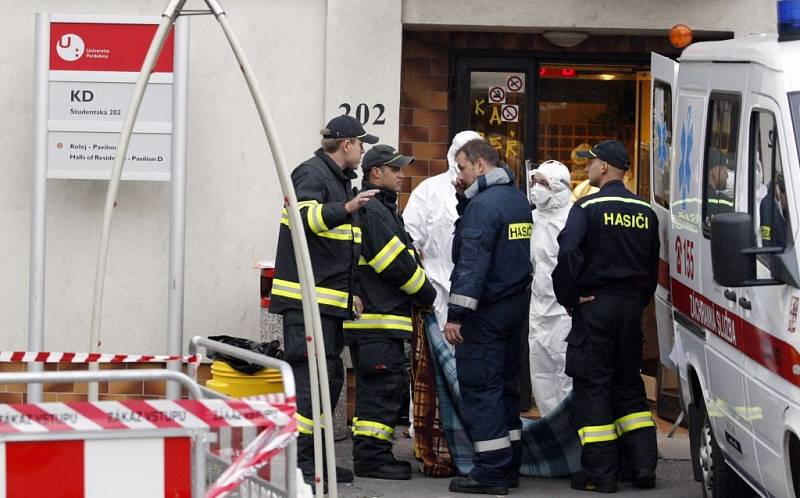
70	47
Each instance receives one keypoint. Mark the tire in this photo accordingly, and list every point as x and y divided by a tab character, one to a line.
718	479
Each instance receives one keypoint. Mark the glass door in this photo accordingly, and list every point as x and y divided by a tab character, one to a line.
494	98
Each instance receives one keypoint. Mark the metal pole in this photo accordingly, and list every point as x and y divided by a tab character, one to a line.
177	200
316	345
39	202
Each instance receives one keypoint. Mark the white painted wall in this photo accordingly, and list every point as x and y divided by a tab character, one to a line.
599	16
364	48
310	56
233	203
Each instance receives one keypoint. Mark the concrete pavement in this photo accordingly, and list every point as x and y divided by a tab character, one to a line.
674	477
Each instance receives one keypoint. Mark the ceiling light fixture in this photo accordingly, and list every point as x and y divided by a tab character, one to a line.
565	39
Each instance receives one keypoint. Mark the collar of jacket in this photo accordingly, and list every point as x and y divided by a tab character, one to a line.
500	175
343	174
613	183
386	197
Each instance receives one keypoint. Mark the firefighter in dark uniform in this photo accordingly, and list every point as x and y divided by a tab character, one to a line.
390	278
606	273
327	207
487	309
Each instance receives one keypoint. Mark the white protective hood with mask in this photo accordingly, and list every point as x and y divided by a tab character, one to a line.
549	321
430	217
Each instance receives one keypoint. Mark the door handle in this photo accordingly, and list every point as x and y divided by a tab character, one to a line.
730	295
744	303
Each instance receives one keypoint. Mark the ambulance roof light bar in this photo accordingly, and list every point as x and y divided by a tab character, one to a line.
788	20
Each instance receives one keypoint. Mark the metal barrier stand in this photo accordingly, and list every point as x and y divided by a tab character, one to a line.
256	483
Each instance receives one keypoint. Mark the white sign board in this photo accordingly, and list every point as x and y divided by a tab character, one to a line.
92	70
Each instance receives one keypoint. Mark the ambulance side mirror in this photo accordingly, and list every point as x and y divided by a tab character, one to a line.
734	251
731	234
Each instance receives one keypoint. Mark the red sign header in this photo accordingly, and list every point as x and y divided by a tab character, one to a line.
105	47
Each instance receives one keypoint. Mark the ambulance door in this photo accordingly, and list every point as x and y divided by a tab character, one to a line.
664	73
724	170
769	313
684	228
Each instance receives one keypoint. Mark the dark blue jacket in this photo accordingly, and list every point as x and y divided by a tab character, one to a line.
491	247
609	245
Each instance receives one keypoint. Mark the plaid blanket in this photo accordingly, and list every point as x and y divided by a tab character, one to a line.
430	444
551	447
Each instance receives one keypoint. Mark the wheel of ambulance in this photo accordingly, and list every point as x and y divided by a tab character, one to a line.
719	480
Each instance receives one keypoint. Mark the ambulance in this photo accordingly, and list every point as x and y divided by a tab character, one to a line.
725	182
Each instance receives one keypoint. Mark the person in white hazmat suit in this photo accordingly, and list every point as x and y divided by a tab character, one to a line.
430	217
549	321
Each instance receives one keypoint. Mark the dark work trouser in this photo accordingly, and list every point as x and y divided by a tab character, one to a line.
488	369
380	384
294	340
604	359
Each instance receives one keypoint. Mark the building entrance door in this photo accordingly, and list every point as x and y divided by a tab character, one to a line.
537	111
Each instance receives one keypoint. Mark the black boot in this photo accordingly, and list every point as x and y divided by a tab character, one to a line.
581	482
390	471
471	486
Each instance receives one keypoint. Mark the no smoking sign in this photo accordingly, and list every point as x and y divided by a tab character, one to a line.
509	113
497	95
514	84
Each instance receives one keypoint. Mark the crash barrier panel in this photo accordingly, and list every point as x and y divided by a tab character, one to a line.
242	459
155	430
108	448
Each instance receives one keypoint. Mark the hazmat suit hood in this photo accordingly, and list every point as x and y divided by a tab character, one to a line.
558	195
459	140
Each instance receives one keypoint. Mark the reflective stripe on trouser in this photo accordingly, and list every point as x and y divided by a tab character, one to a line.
378	321
633	421
372	429
295	350
488	369
380	384
291	290
492	444
604	359
305	425
597	433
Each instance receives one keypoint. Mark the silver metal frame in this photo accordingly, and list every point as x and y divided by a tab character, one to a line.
287	376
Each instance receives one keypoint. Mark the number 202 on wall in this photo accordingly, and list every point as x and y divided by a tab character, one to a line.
362	112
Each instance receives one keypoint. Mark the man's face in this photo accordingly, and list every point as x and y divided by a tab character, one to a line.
468	171
718	177
353	150
595	171
387	177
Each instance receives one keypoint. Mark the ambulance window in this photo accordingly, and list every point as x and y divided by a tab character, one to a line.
768	191
662	141
720	157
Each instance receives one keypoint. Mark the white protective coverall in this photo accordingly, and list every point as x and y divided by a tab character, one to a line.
549	321
430	217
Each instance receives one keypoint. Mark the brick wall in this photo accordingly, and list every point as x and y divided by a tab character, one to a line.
113	391
425	98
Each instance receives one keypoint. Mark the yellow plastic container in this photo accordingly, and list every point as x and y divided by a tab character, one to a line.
226	380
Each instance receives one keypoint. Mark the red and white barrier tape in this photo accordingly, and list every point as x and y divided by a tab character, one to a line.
256	455
144	414
57	357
